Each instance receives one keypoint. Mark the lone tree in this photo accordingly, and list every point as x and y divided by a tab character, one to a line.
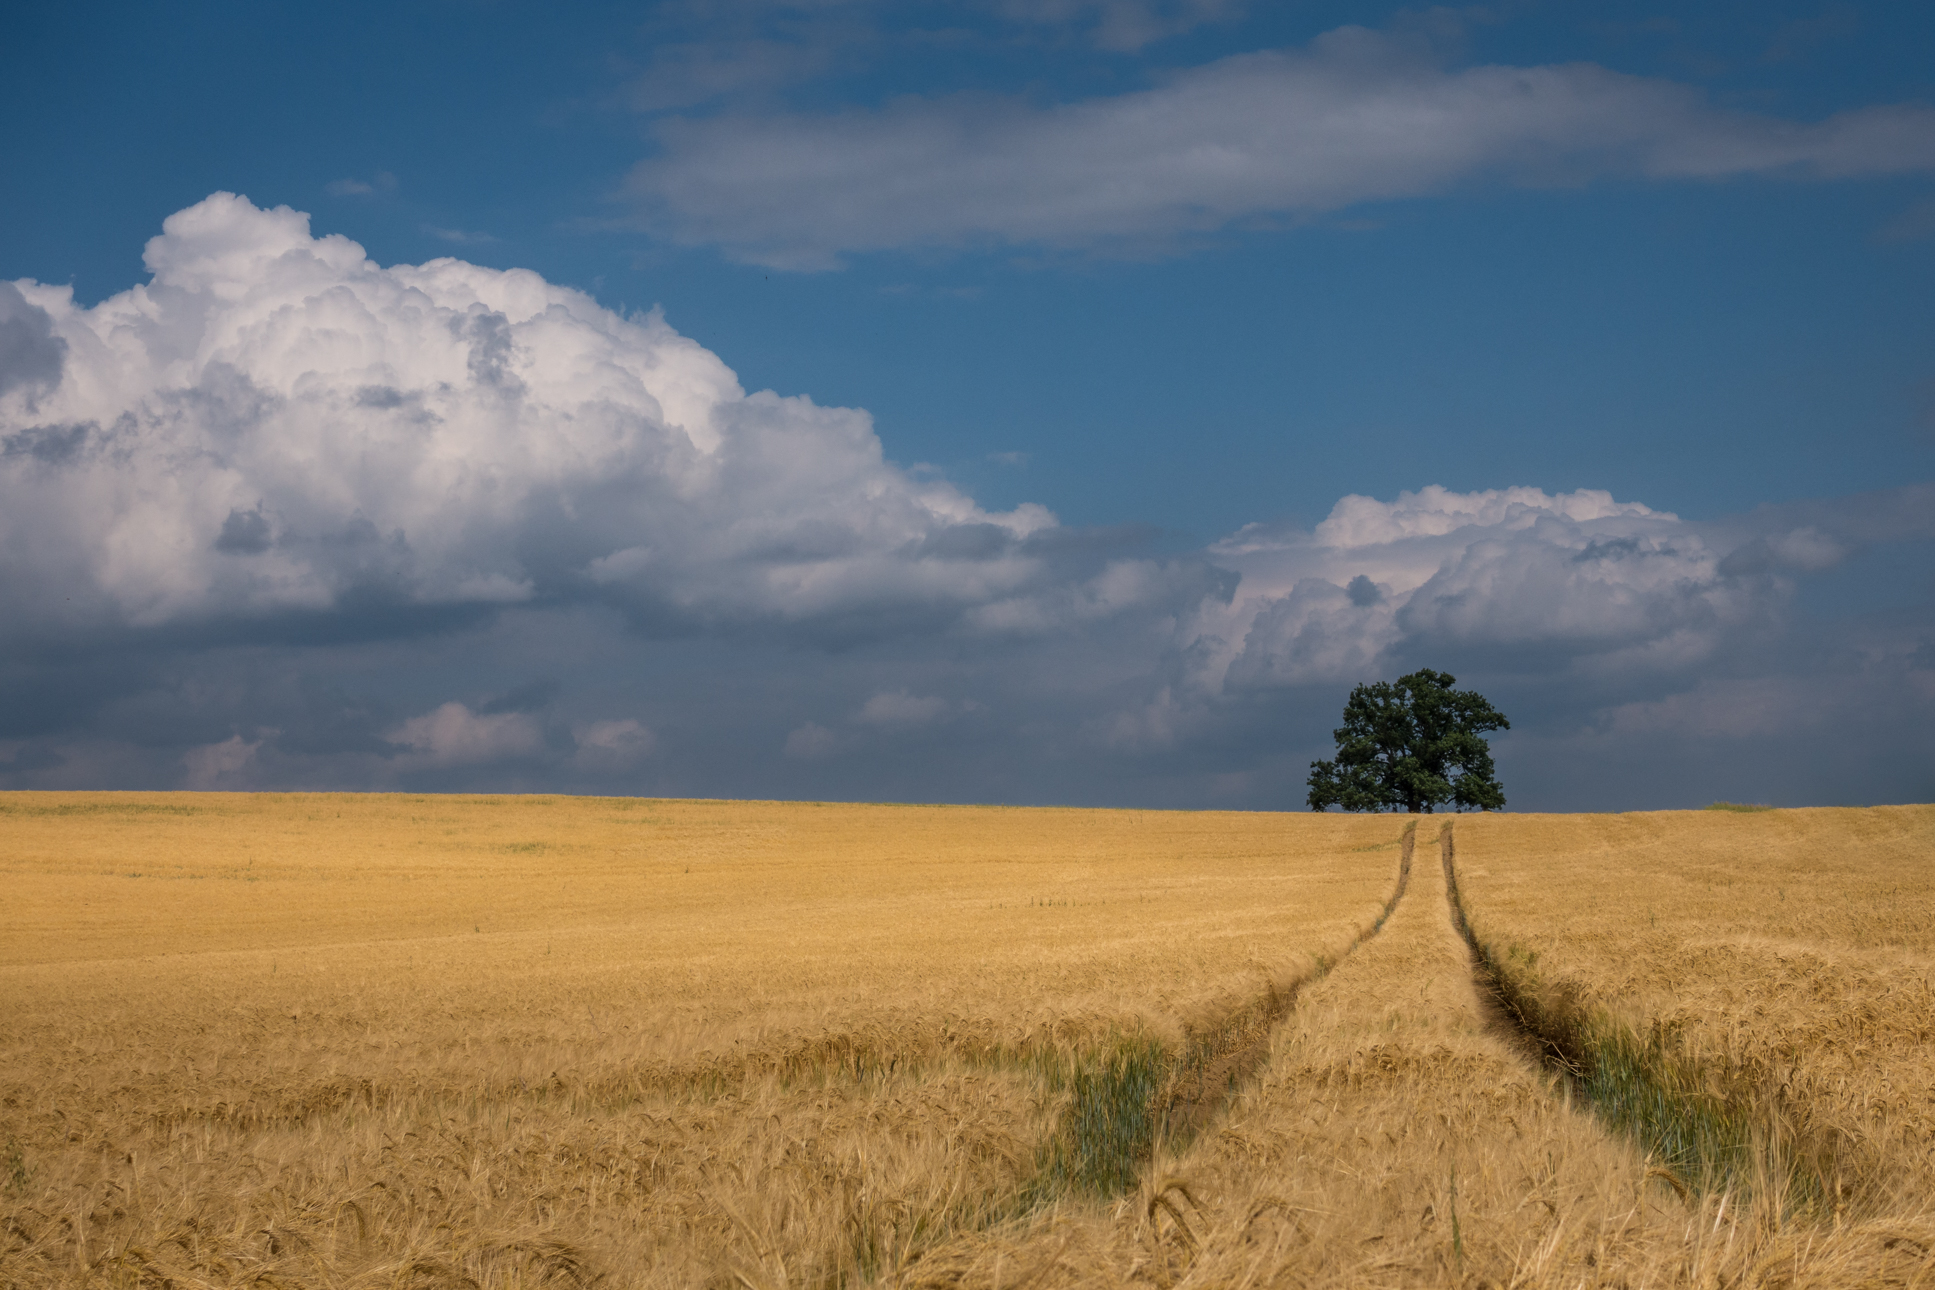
1411	745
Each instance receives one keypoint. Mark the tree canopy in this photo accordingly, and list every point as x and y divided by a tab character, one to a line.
1413	744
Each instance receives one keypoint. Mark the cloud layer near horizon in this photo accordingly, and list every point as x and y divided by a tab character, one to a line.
283	517
1279	135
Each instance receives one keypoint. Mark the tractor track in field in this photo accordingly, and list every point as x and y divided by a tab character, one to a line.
1239	1046
1698	1141
1574	1059
1506	1020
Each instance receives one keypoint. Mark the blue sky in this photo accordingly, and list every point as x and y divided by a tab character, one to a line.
1184	273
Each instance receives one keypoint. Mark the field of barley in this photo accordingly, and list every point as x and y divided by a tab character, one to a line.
351	1042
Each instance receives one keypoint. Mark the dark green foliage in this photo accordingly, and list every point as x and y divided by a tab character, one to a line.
1413	744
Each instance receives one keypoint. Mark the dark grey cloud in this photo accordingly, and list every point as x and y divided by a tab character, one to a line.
30	352
244	533
50	445
533	696
33	757
1123	710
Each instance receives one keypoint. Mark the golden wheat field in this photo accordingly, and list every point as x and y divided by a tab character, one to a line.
388	1041
1750	992
380	1040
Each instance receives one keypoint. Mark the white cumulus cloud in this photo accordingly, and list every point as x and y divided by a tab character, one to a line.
613	744
453	735
219	765
1570	578
275	424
